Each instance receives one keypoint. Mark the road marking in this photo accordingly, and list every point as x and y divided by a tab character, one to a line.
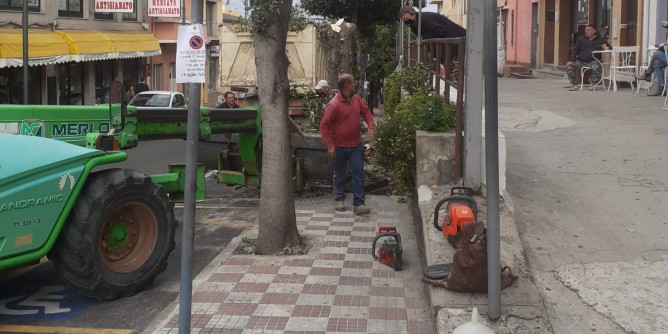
42	299
60	330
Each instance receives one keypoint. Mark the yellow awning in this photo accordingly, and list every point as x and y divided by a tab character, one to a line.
86	45
50	47
44	46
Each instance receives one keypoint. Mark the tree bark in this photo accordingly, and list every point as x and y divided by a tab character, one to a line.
355	9
278	222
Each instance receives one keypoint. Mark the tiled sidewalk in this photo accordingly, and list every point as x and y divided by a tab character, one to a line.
337	288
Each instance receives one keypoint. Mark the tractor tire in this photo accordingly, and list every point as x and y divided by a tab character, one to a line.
118	236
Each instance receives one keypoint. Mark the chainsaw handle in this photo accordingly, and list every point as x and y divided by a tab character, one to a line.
466	191
396	236
455	199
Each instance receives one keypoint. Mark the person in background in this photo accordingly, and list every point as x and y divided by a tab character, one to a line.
581	56
340	131
141	86
433	25
325	94
323	90
229	101
129	93
657	64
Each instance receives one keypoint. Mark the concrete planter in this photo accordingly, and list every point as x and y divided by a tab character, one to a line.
434	158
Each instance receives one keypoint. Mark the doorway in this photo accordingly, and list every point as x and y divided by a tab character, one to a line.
629	25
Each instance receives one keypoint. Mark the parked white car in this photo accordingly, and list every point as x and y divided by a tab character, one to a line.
159	99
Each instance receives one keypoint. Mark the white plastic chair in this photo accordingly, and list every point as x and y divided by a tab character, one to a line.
642	83
624	66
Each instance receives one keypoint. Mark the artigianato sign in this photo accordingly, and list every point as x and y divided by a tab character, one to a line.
114	6
164	8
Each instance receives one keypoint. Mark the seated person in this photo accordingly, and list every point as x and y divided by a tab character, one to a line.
581	56
229	101
658	64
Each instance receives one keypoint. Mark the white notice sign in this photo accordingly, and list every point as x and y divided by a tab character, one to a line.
164	8
114	6
190	54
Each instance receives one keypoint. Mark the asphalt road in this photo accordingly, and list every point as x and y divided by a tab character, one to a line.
587	176
36	300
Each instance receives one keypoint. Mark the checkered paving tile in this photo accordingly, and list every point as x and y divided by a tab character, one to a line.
338	288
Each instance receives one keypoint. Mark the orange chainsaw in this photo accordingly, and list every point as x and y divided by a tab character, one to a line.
460	208
390	250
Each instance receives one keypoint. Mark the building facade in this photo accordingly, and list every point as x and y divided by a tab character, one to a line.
74	52
539	34
162	68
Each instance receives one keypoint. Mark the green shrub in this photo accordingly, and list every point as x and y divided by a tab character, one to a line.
415	79
395	136
391	92
412	79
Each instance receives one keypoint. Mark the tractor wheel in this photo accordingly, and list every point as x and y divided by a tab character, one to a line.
118	236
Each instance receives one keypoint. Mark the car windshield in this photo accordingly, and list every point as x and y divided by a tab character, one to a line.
151	100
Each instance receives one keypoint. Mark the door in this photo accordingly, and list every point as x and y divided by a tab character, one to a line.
534	33
628	27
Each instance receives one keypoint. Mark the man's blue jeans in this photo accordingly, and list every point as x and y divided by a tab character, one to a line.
356	157
660	68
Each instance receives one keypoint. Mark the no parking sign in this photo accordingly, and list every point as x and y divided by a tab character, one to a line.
190	55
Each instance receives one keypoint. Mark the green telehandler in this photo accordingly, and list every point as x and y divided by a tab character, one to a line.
109	232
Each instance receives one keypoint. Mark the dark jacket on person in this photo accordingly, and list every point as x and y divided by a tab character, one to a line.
437	26
141	87
583	48
225	105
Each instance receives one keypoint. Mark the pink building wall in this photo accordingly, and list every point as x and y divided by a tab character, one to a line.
518	31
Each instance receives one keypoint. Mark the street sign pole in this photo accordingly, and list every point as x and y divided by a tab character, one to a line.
26	77
492	163
188	237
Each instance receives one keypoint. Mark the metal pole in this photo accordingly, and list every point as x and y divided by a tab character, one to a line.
26	77
473	82
188	238
492	164
419	38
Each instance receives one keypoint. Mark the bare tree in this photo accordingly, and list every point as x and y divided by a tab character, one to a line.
278	222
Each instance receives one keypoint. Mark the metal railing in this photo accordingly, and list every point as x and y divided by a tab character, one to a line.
445	59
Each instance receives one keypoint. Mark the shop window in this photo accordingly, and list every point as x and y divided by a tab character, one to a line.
131	16
104	73
157	77
70	84
131	72
70	8
11	85
33	5
104	16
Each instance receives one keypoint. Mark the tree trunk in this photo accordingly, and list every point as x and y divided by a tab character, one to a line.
355	8
278	222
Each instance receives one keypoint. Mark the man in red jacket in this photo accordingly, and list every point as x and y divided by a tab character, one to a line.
340	131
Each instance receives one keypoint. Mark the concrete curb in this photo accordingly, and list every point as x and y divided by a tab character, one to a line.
522	308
